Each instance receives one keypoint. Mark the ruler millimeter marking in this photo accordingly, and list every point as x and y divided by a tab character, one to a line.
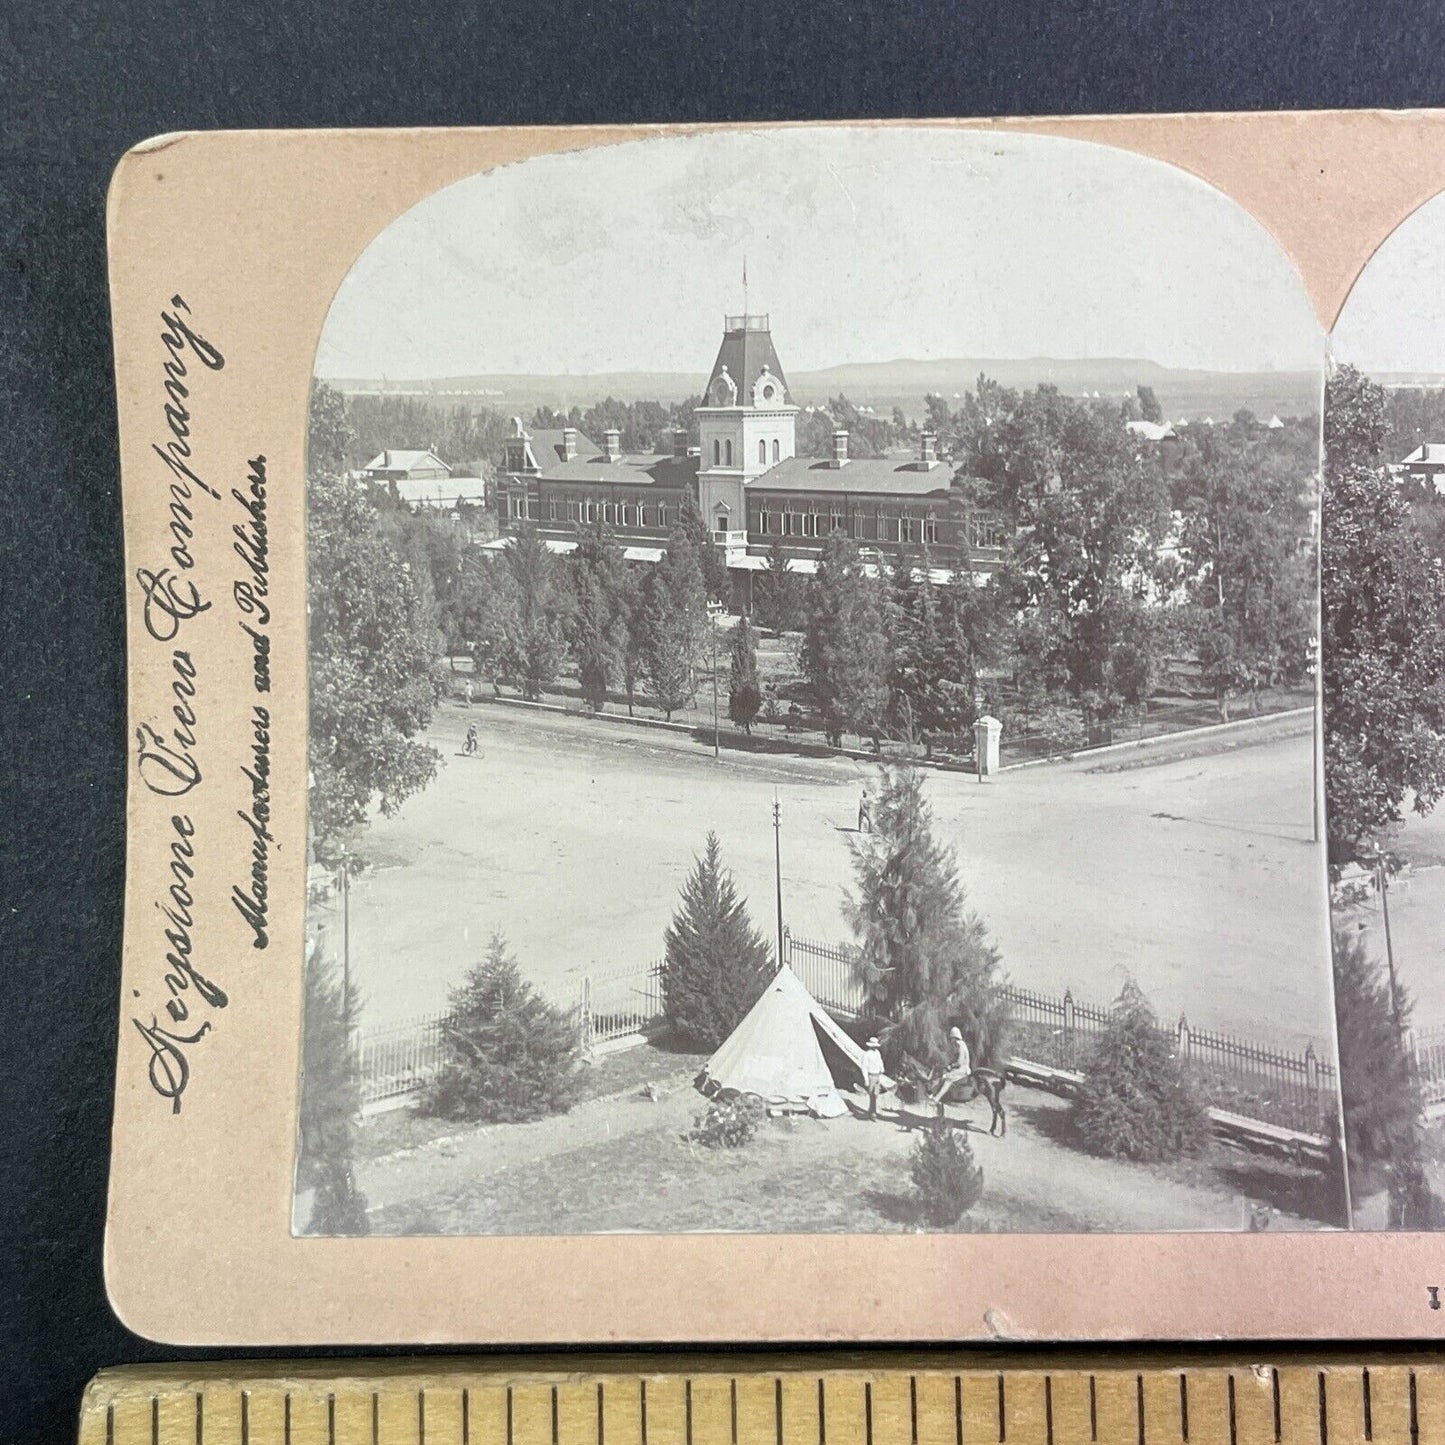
798	1402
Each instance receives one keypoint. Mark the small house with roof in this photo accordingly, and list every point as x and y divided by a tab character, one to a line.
1423	470
406	466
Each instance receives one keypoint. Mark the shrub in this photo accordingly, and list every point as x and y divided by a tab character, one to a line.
727	1125
330	1103
1137	1101
510	1055
946	1178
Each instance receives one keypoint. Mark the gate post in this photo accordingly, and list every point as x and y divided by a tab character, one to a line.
1182	1037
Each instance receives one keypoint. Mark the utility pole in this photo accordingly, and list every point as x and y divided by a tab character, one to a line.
712	627
1389	946
778	870
345	936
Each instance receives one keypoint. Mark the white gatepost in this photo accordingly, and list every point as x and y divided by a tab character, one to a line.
986	732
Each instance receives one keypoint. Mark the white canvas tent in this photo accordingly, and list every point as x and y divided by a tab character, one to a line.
787	1050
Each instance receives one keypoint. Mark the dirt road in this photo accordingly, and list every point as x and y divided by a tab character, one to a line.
573	837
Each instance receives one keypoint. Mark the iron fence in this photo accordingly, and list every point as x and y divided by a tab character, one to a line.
1427	1048
1054	1031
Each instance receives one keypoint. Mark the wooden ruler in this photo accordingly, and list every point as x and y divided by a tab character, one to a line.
950	1398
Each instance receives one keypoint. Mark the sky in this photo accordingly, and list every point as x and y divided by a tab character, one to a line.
863	244
1394	316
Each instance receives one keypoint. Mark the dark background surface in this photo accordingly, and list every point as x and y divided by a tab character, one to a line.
79	83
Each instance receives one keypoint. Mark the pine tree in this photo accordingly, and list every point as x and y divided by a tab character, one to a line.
538	644
715	963
674	615
1379	1091
925	961
780	593
845	649
745	696
597	630
712	565
1137	1101
330	1103
510	1055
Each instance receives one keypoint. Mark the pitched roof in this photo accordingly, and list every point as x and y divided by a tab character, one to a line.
895	476
745	351
547	445
1427	452
392	460
630	471
1154	431
441	491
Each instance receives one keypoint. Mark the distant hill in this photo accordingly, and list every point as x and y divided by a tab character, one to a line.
886	384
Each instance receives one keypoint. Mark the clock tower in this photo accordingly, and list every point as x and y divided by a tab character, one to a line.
746	425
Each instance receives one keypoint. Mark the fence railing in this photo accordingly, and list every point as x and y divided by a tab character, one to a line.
1055	1031
1427	1047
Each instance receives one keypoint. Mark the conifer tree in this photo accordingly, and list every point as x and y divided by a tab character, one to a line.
925	961
1137	1101
511	1055
715	963
1379	1090
745	696
598	630
712	565
538	644
845	648
330	1103
780	594
674	615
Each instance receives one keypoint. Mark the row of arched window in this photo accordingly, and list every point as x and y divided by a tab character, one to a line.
722	452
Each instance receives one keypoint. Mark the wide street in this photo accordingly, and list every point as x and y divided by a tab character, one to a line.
573	837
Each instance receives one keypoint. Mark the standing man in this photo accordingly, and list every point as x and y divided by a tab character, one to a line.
467	691
865	813
873	1074
960	1066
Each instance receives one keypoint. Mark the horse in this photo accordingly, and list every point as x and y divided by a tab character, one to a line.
919	1083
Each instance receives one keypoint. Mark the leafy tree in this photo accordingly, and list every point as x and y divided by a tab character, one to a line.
1089	514
330	1108
947	1180
745	696
374	647
674	613
1383	639
715	963
924	960
1137	1101
1149	408
510	1055
780	593
1244	504
1379	1091
845	647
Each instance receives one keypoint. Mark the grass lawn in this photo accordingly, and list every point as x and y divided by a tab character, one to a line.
632	1169
622	1072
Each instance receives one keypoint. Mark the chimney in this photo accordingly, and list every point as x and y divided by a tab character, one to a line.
840	448
679	442
569	443
928	449
612	444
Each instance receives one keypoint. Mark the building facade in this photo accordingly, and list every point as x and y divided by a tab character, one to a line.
745	478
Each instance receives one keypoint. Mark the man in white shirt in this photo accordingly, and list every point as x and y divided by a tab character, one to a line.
960	1066
873	1074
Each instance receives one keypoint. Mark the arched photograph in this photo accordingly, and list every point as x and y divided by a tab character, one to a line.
813	656
1384	720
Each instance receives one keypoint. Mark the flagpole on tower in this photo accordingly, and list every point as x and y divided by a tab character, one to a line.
745	290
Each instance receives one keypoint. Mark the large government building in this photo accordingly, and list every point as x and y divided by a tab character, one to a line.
746	479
